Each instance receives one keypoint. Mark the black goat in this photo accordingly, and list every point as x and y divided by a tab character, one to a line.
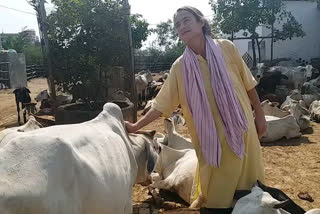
23	97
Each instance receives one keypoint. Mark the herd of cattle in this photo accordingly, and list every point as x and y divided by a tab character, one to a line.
91	167
290	97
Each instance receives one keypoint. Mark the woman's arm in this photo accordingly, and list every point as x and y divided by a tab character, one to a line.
151	115
260	119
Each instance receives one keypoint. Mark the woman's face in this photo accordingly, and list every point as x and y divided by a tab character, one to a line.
187	26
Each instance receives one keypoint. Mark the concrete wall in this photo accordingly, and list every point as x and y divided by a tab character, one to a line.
17	69
306	13
244	45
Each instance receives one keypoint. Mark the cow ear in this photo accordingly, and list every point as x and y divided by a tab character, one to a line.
286	108
168	119
148	133
261	185
15	90
281	204
151	158
28	90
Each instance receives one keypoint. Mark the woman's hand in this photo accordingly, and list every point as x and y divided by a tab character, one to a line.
261	124
131	127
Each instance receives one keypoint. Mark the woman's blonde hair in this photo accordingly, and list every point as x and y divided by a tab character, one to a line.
199	17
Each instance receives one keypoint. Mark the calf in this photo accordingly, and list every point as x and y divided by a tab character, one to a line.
22	96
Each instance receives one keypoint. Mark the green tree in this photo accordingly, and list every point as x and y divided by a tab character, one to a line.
235	15
14	42
139	30
168	47
33	54
166	34
87	38
32	51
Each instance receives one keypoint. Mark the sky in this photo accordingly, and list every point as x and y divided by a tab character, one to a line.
154	11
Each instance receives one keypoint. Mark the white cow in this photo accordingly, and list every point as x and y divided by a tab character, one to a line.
175	140
315	111
176	165
84	168
309	98
300	113
297	76
61	98
176	169
278	128
306	98
312	86
271	109
31	124
308	72
313	211
258	71
141	82
258	202
261	202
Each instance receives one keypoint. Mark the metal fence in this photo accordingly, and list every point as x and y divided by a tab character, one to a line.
35	71
149	63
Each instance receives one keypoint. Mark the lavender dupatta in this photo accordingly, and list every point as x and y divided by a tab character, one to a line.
232	116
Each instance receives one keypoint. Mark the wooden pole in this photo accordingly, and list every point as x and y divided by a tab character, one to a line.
272	29
42	19
130	67
272	32
0	43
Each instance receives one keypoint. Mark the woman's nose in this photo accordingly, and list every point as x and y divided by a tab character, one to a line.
181	28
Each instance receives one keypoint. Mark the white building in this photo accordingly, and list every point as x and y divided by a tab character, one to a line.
307	13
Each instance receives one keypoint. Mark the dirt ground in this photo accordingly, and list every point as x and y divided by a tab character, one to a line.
291	165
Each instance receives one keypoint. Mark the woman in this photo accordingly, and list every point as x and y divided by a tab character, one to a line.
214	88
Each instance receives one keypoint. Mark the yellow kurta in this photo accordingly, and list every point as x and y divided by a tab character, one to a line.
218	184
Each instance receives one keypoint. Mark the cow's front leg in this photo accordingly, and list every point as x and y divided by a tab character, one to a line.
162	184
18	110
24	113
